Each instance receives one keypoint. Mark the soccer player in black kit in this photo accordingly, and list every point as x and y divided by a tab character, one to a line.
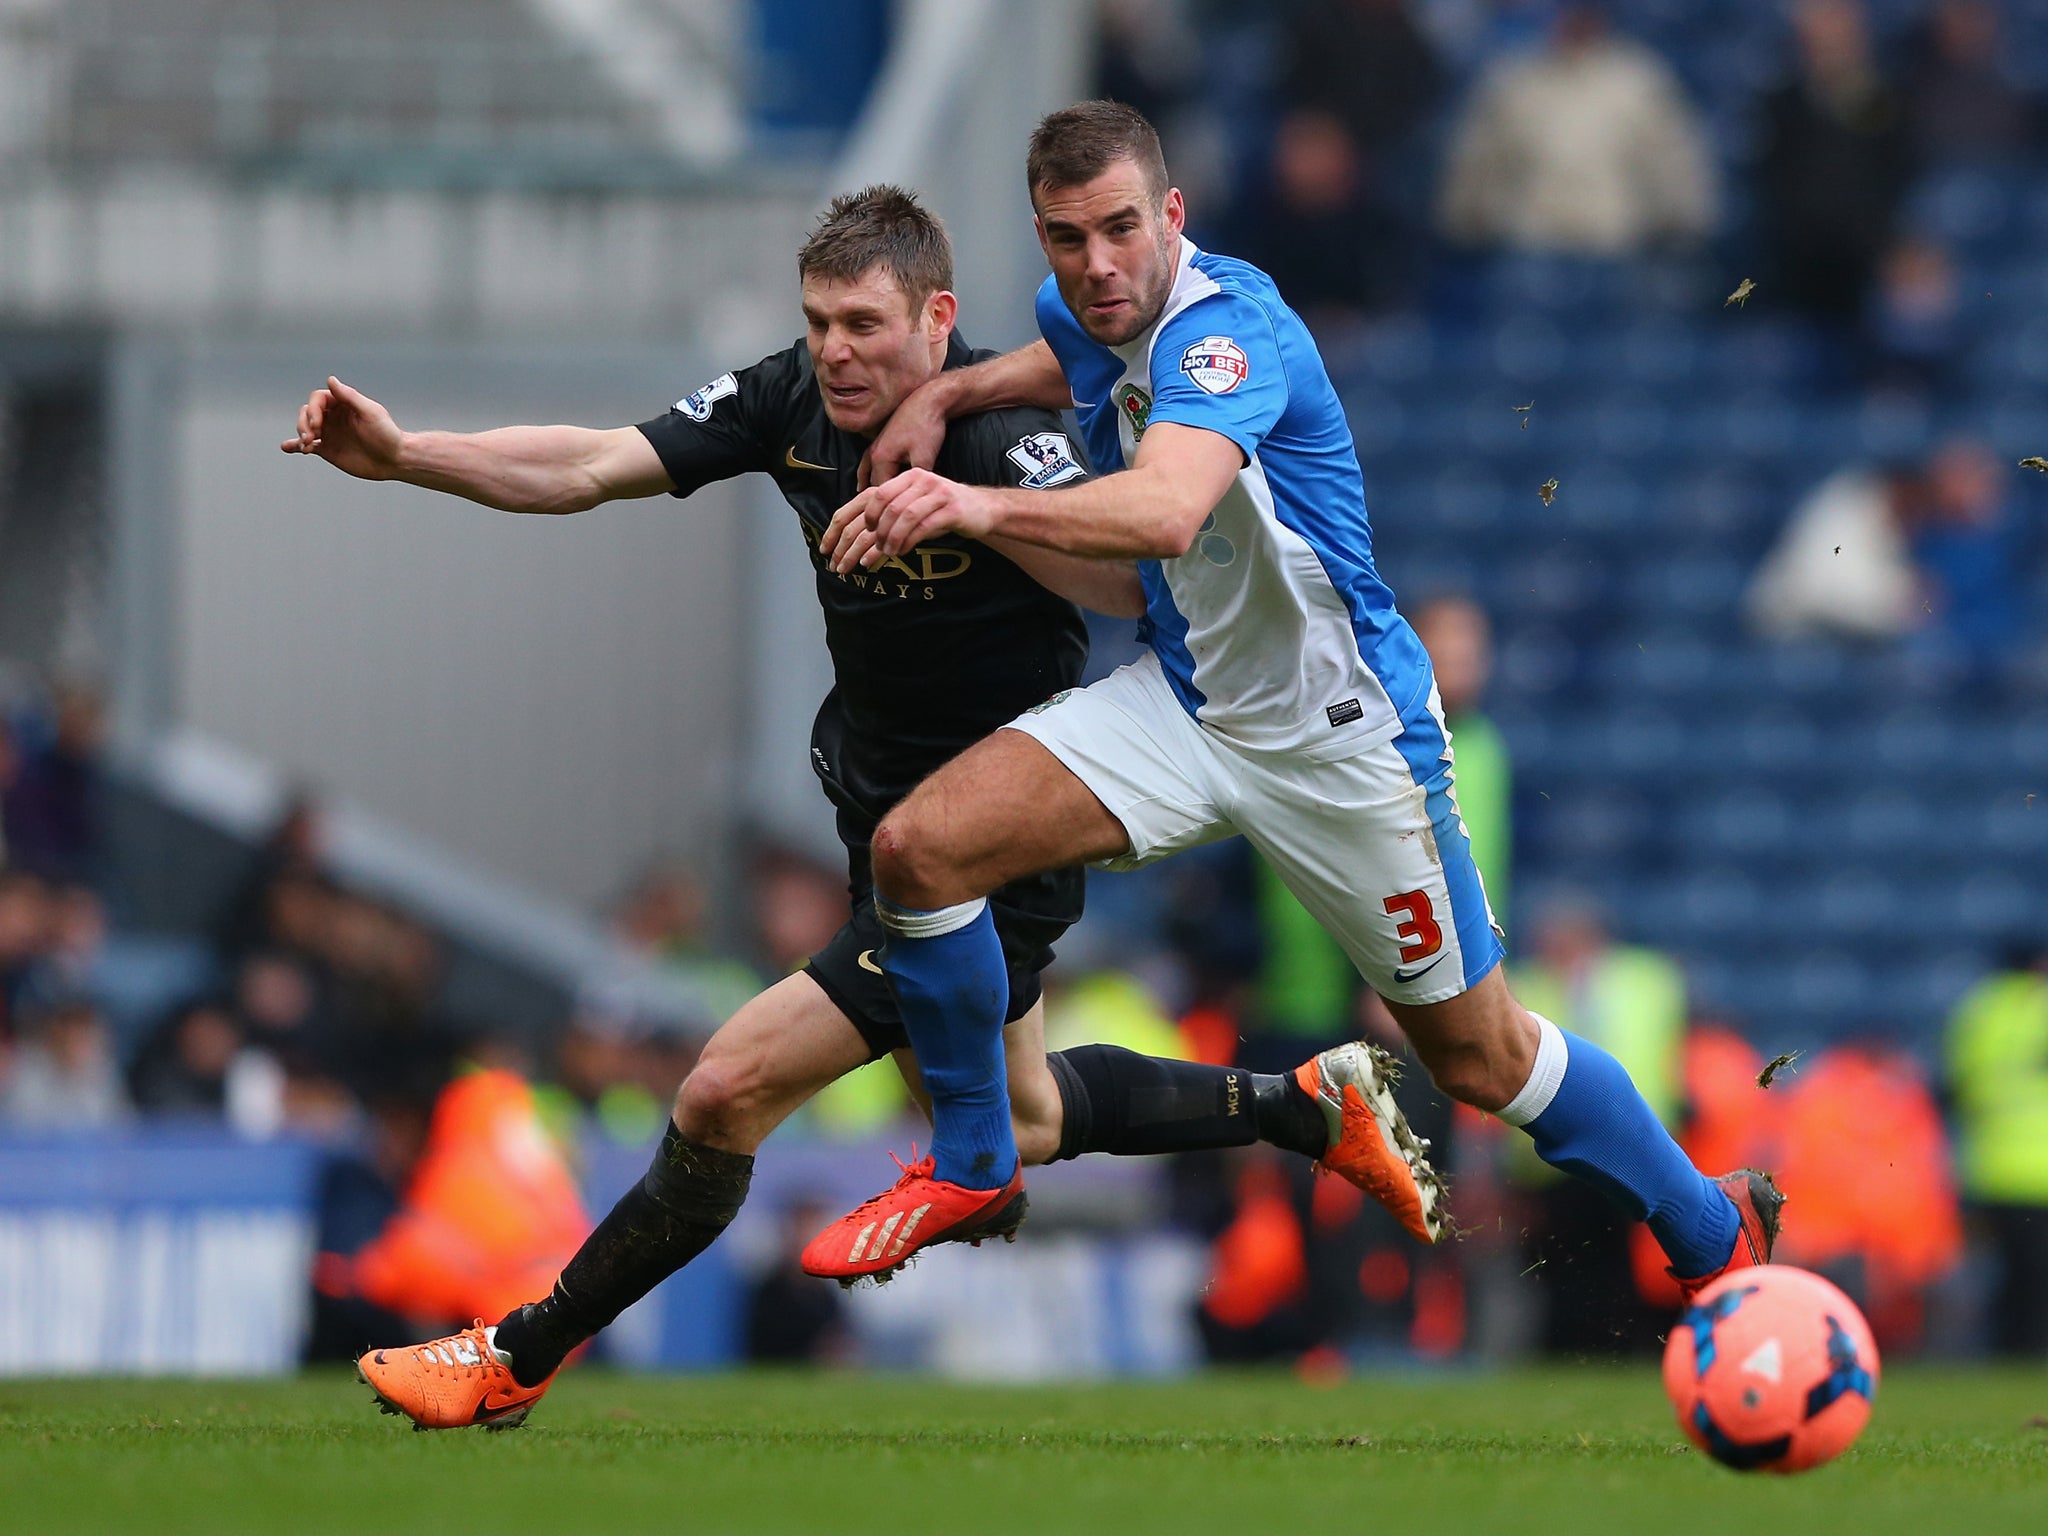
931	652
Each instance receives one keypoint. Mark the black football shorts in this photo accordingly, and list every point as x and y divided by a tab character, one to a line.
849	968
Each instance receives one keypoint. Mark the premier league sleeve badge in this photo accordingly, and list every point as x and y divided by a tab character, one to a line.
1046	458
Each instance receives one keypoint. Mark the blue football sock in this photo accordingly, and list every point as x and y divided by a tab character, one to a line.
1588	1120
953	988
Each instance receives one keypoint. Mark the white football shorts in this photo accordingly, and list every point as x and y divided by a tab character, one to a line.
1371	844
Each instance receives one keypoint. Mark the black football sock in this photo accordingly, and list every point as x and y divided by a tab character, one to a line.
1289	1118
1116	1101
689	1196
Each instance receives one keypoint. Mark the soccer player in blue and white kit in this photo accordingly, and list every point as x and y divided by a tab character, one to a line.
1285	698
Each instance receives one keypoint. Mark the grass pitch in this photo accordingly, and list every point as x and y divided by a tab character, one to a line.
1576	1450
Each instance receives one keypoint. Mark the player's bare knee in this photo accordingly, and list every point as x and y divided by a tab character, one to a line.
909	869
720	1098
1038	1135
889	852
1465	1070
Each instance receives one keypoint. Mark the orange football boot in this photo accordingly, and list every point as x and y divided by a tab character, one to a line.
450	1383
881	1235
1371	1144
1759	1203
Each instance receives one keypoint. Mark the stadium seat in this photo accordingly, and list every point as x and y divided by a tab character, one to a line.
2015	420
1663	664
2016	355
1966	207
1855	910
1889	427
1378	419
1832	991
1676	589
1534	662
1911	740
2011	827
1883	821
1645	743
1752	828
1721	904
1571	289
1994	905
1594	823
2036	201
1745	425
1398	351
2023	746
1830	834
1636	426
1727	501
1802	671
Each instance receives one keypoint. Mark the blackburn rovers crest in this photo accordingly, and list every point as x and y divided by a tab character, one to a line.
1136	406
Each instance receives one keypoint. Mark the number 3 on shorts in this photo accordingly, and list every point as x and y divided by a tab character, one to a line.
1422	937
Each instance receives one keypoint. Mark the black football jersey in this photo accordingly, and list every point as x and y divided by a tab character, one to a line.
933	649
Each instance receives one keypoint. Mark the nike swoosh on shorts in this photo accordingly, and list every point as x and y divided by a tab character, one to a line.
1404	977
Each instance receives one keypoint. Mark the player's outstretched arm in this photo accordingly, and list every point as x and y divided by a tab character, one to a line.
1152	511
910	439
515	469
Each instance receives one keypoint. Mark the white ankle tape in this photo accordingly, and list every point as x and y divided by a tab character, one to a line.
913	924
1552	1054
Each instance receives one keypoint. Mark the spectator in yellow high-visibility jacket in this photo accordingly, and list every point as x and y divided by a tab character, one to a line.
1997	1060
1306	984
1630	1001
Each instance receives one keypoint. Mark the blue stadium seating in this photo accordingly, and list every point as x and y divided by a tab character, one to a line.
1833	838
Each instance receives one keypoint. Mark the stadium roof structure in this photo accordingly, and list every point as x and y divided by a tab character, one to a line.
417	91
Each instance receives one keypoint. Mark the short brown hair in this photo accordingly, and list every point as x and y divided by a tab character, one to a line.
1078	143
880	226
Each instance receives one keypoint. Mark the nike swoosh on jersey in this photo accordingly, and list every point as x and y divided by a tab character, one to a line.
1404	977
789	457
866	961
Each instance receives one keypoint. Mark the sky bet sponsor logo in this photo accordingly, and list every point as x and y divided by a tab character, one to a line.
1216	364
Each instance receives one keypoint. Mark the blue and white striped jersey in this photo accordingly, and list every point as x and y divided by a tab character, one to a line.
1274	629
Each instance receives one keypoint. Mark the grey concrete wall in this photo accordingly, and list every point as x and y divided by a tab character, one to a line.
170	246
554	698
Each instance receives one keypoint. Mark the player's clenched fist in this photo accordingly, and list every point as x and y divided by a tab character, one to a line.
848	538
349	430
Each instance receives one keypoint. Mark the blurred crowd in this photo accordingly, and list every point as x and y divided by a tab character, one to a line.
1839	168
302	1005
1355	148
1912	549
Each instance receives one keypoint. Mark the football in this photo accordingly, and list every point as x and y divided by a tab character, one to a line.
1771	1370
